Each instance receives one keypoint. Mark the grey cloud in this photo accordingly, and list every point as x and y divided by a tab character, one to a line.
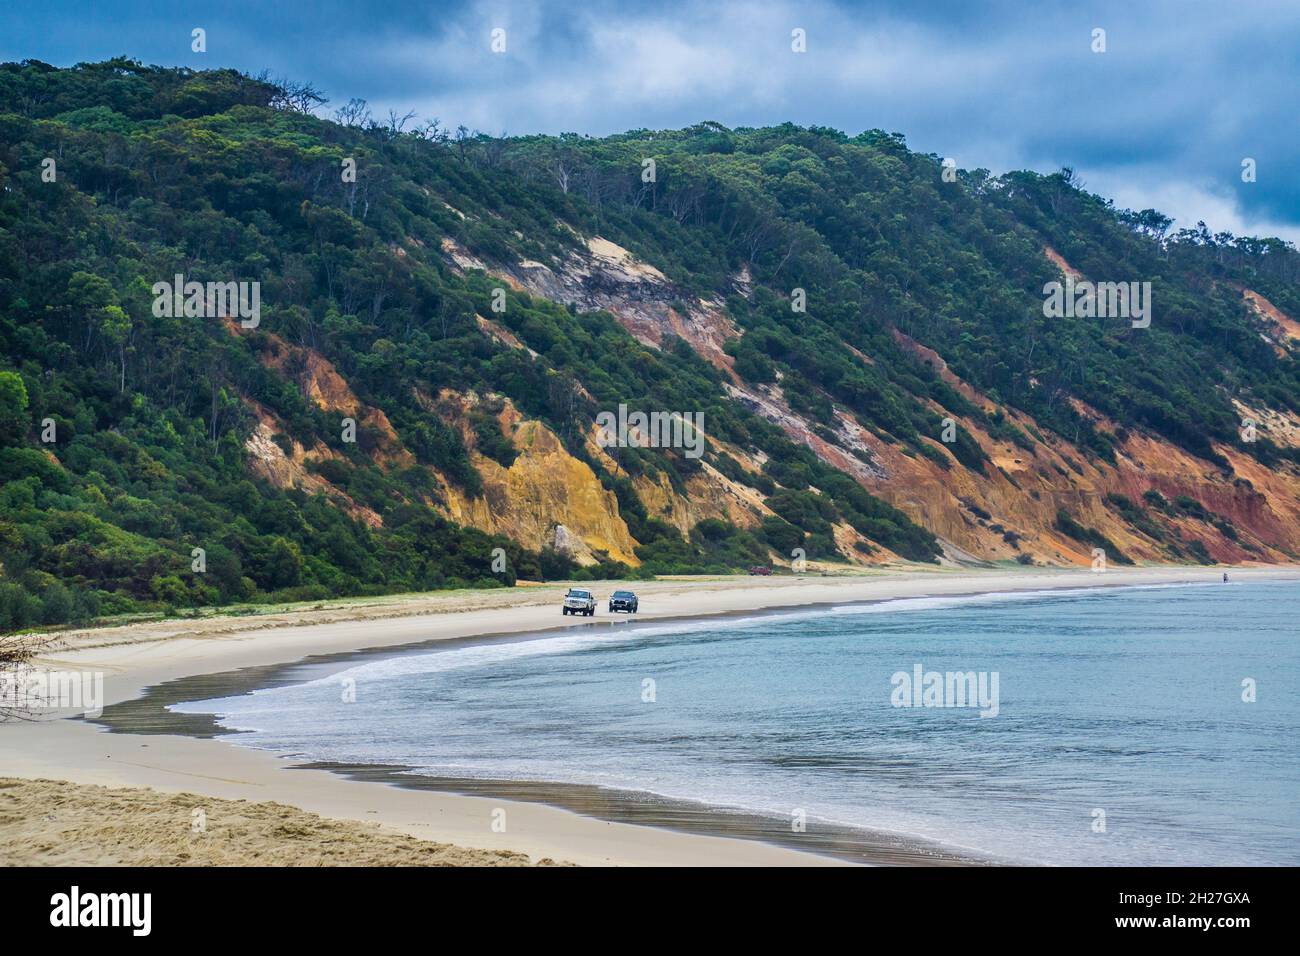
1183	93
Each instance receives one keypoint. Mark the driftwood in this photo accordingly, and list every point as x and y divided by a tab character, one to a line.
16	654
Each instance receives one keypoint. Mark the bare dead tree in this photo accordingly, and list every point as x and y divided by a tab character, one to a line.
434	132
796	244
685	202
355	113
292	96
561	167
398	123
493	149
760	236
593	185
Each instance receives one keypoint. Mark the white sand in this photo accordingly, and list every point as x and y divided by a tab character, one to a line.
140	656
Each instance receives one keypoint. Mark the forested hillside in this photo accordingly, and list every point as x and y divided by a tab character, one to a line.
415	405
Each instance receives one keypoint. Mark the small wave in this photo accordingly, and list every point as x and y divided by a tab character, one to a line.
457	658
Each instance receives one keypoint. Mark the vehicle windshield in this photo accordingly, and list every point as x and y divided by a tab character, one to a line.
573	593
623	594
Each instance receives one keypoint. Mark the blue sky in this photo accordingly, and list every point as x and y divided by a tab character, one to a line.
1184	92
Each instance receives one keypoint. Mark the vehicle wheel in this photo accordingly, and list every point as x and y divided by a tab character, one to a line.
564	611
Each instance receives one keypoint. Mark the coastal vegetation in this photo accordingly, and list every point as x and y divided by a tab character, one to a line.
124	433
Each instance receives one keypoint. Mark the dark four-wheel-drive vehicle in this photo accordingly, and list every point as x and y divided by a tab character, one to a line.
761	570
579	601
622	601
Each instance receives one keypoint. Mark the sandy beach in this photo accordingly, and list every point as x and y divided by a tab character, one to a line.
377	820
57	823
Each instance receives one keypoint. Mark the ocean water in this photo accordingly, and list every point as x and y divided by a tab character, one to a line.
1120	737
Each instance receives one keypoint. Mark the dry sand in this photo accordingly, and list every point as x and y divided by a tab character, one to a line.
56	823
139	656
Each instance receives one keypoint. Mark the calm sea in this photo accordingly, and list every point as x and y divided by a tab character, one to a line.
1121	733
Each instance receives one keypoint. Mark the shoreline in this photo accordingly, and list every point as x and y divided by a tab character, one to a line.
150	715
139	657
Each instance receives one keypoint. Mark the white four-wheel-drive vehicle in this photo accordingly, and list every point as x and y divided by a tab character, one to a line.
579	601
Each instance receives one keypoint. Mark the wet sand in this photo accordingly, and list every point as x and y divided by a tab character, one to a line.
580	825
148	714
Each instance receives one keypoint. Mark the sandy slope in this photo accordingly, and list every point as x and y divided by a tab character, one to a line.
144	655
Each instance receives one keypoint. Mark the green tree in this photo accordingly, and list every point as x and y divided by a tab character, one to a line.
13	408
115	325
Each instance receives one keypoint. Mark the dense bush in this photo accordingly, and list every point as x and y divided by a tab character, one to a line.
216	175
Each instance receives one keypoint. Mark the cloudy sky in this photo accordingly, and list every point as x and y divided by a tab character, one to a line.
1184	91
